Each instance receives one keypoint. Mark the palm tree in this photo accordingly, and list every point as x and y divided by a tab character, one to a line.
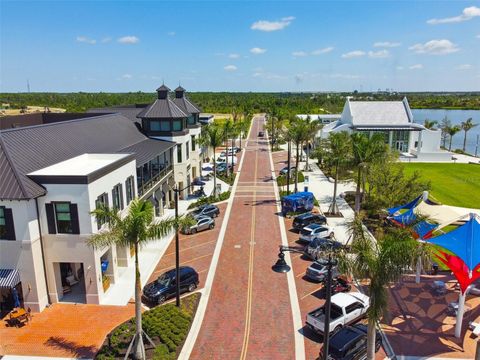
338	154
451	131
313	126
430	124
227	128
298	133
444	125
365	151
212	137
136	229
467	126
381	262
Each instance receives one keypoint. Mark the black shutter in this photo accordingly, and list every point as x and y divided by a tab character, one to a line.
10	235
120	194
52	229
74	216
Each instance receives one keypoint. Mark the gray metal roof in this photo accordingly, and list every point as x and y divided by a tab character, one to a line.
161	109
129	112
27	149
186	105
147	149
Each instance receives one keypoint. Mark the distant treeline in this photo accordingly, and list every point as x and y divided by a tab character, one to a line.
223	102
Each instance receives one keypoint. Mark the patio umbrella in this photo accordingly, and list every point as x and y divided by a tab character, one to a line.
16	300
198	182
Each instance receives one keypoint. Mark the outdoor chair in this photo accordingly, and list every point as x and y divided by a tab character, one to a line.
71	280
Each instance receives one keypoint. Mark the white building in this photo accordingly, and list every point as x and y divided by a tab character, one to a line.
394	120
53	175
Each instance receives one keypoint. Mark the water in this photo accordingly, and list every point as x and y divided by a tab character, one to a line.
456	117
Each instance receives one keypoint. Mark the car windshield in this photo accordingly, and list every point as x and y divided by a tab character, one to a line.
317	266
306	231
164	280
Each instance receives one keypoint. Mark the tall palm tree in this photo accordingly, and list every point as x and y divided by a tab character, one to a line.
451	131
381	262
466	127
298	133
136	229
313	126
212	136
338	154
365	151
444	125
227	129
430	124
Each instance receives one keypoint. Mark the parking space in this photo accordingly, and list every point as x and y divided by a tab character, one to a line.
196	251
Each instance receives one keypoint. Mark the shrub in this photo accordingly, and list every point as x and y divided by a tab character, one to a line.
210	199
229	180
282	179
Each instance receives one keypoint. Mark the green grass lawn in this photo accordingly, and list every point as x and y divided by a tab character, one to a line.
452	184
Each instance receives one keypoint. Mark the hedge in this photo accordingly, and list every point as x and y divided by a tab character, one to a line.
210	199
282	179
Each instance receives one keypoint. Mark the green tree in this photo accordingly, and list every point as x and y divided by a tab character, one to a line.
339	151
451	131
313	127
466	127
445	124
297	133
136	229
212	136
380	262
430	124
365	152
227	129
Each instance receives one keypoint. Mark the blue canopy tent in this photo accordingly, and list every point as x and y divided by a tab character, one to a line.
424	229
408	216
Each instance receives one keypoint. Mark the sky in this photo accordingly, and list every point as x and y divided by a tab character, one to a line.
119	46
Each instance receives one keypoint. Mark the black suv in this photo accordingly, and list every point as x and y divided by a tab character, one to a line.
165	286
206	210
308	218
350	343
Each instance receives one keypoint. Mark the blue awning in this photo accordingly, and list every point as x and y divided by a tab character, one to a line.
9	278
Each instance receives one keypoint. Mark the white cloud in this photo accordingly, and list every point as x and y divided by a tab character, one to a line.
84	39
478	36
130	39
257	50
463	67
435	47
322	51
416	67
171	33
467	14
386	44
126	76
264	25
379	54
344	76
233	56
299	53
353	54
230	68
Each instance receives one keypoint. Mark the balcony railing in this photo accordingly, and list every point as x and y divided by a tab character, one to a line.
144	187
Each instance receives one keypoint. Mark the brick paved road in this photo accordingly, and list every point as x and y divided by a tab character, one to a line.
248	314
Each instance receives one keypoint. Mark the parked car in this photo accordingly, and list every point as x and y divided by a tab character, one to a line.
209	210
165	286
223	159
313	231
350	343
202	223
261	134
319	245
318	272
346	308
284	171
300	221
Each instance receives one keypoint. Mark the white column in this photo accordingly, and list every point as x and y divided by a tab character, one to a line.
419	270
460	311
419	145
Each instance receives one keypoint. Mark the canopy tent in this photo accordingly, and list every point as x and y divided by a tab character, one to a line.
408	216
423	230
459	269
464	242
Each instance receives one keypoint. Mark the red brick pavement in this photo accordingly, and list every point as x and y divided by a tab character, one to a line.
249	314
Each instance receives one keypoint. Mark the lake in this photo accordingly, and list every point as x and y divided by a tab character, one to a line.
456	117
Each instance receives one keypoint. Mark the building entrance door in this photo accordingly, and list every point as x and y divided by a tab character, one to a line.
401	146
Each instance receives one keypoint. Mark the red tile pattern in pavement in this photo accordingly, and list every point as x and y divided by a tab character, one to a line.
310	294
249	314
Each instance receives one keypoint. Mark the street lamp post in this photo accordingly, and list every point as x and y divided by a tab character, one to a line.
281	266
177	248
288	166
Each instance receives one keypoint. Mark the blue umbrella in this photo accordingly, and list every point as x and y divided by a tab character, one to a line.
16	300
198	182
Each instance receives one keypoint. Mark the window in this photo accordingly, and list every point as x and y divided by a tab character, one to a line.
191	120
117	197
165	126
101	200
179	153
177	125
129	188
155	125
187	148
7	229
193	143
64	218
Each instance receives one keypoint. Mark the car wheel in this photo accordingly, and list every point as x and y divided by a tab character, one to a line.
337	329
192	287
161	300
211	226
193	231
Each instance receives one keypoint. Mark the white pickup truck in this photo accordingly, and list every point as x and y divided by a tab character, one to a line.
346	308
